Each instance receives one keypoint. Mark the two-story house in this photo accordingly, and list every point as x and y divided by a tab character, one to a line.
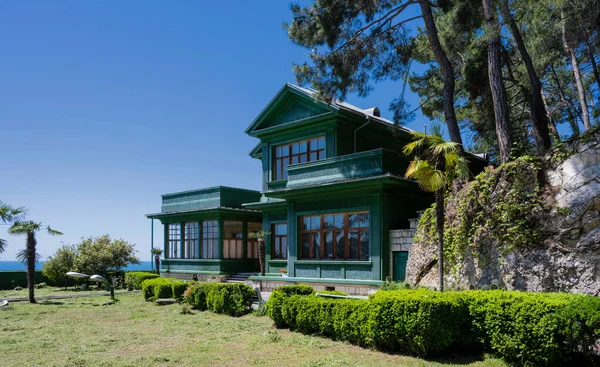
333	189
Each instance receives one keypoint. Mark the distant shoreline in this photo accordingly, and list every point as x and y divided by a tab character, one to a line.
8	265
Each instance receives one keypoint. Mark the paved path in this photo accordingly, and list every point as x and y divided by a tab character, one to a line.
65	296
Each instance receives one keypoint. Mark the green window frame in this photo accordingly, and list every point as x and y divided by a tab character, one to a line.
336	236
301	151
210	239
173	240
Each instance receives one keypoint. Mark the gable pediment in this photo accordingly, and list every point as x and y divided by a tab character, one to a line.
288	107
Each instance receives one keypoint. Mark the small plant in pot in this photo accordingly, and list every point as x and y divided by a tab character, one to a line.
260	236
284	273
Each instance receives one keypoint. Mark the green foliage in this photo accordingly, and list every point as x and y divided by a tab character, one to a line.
156	288
519	327
134	279
281	293
226	298
503	205
101	255
389	285
57	266
10	214
178	288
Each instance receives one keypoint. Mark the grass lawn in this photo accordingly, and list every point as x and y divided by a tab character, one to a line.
50	291
93	332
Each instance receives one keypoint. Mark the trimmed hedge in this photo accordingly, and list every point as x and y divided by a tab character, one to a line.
163	288
519	327
134	279
226	298
279	295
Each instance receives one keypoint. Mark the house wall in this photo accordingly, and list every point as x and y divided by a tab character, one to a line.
209	266
330	269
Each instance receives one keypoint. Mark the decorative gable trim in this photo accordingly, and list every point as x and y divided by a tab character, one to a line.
291	104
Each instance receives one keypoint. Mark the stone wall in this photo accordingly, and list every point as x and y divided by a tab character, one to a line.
402	239
565	257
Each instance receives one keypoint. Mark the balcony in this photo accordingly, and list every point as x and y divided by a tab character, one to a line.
348	167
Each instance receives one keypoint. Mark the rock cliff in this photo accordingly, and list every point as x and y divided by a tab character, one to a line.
532	224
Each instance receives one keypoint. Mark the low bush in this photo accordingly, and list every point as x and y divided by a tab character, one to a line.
520	327
178	288
225	298
163	288
279	295
134	279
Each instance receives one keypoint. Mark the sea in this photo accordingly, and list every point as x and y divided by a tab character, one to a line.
17	265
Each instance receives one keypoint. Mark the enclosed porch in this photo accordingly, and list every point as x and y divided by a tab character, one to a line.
206	232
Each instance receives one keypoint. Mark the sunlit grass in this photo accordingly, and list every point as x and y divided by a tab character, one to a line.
96	332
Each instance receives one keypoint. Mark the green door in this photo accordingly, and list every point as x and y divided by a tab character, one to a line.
400	259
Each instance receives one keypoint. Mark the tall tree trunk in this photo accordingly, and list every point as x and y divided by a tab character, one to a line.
261	255
592	55
496	83
576	74
439	223
447	71
539	119
552	122
566	104
30	256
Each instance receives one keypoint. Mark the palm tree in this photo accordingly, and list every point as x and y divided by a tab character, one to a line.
29	255
436	164
260	238
9	214
157	252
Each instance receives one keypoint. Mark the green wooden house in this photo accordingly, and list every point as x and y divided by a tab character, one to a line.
332	192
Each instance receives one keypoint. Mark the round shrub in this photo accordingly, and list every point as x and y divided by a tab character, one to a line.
134	279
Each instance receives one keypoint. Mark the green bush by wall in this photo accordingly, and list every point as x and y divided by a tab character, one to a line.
134	279
519	327
230	299
279	295
156	288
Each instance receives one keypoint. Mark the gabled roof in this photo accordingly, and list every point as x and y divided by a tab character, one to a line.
321	108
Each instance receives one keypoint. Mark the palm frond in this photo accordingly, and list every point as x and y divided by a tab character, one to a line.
451	160
258	235
53	232
413	145
419	169
462	168
2	245
19	228
444	147
156	251
434	181
9	214
22	256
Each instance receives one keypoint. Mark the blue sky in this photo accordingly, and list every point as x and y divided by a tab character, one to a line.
104	106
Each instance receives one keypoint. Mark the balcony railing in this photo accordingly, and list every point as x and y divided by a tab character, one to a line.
347	167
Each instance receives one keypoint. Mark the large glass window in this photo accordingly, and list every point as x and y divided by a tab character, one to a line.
210	239
252	250
340	236
279	241
297	152
192	240
173	238
233	239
